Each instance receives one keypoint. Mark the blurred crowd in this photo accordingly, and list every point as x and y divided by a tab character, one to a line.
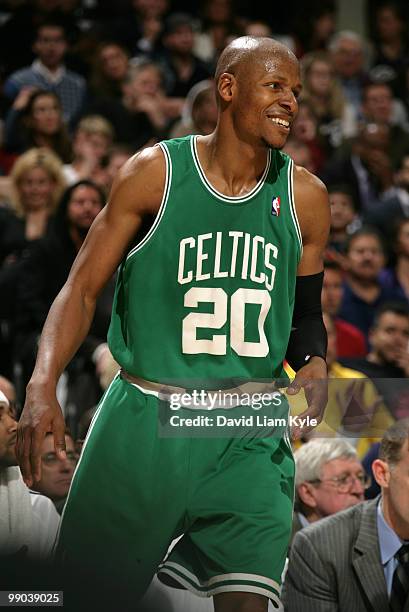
86	84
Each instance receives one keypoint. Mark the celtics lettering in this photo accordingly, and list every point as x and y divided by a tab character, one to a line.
221	255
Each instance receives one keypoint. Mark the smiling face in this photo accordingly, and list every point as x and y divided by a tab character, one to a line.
390	337
36	188
261	92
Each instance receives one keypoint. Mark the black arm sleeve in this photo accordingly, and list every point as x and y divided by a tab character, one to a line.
308	336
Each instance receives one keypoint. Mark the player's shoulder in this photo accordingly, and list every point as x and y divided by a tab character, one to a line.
144	176
304	180
150	159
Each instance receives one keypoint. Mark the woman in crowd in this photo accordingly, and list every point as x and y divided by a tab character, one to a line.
110	69
36	120
321	89
305	130
37	182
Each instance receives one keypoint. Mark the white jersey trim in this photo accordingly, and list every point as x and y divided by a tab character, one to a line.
165	197
218	194
293	209
212	587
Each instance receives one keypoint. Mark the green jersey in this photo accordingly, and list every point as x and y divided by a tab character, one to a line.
209	292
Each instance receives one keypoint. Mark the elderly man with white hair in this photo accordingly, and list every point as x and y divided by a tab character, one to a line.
328	478
28	521
347	49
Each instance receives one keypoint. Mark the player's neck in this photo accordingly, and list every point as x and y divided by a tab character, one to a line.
237	163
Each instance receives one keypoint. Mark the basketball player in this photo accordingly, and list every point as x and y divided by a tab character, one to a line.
231	263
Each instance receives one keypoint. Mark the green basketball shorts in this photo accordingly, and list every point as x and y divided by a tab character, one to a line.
134	492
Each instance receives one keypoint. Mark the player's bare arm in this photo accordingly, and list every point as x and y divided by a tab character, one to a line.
137	191
311	200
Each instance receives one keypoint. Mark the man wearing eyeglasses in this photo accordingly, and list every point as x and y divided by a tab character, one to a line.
56	474
358	559
28	522
329	478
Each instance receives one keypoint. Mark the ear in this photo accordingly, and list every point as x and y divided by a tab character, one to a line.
305	493
381	472
225	86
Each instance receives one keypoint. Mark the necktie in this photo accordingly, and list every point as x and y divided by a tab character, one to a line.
400	583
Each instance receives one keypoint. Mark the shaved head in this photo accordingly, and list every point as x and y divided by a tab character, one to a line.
247	51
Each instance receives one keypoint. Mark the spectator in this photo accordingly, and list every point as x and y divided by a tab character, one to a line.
344	218
396	278
363	291
144	93
258	29
300	153
367	169
92	139
48	71
36	120
28	522
378	106
347	49
396	206
336	120
305	130
37	182
199	114
353	561
328	478
182	68
45	270
144	111
56	474
391	50
23	17
111	66
388	357
350	340
7	387
218	23
139	29
370	456
314	25
117	155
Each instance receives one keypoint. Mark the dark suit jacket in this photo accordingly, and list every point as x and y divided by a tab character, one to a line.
335	565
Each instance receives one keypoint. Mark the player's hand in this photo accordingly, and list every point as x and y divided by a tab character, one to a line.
313	378
41	414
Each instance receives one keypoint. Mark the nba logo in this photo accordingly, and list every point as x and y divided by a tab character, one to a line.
275	208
